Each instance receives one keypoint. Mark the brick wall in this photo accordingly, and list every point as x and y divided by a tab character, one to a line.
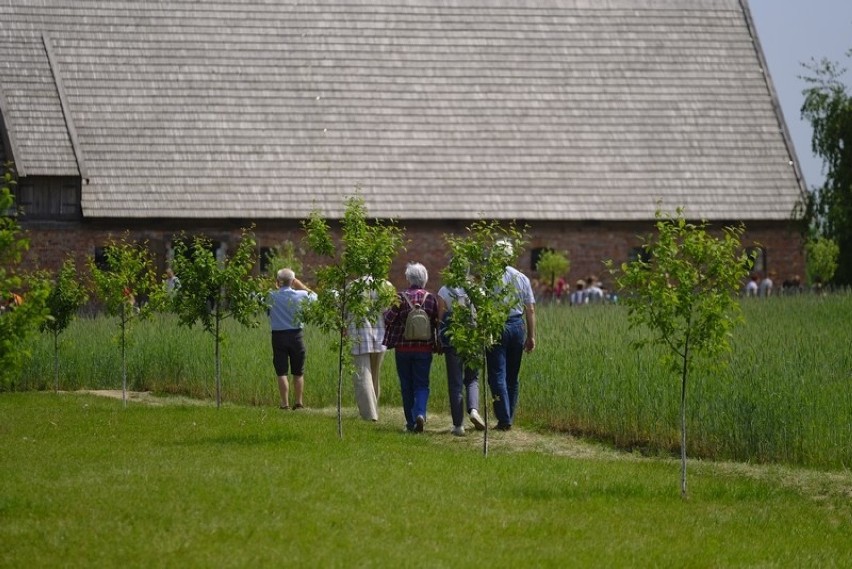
587	244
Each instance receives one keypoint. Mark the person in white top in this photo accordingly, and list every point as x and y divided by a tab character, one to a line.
503	359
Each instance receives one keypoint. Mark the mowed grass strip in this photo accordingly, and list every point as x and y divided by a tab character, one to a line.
88	482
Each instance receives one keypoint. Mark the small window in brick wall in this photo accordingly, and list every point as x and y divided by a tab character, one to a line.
266	254
639	254
535	256
101	258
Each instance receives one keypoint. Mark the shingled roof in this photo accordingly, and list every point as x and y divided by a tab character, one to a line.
463	109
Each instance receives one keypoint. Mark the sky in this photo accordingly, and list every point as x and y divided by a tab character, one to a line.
793	32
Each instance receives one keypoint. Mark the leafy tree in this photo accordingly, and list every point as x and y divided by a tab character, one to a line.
21	296
353	286
283	255
210	292
477	265
822	256
552	265
685	292
127	285
828	107
65	297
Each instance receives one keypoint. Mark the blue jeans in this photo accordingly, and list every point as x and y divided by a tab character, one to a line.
460	378
413	370
504	366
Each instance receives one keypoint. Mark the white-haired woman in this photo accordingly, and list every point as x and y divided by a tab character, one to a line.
413	356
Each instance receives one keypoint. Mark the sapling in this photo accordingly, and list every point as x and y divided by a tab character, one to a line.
477	265
65	297
210	291
353	286
127	285
684	290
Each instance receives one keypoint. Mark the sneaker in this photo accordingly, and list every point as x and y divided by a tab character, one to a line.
458	431
419	422
504	427
477	421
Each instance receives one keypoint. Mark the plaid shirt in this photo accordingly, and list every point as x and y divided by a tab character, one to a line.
367	338
396	316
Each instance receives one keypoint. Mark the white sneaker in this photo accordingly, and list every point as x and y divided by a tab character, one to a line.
477	421
458	431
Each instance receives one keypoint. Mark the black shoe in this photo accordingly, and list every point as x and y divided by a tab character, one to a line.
504	427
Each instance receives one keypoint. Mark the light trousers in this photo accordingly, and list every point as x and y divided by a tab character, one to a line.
367	381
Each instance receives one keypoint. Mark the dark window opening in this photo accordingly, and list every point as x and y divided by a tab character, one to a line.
535	256
639	254
49	198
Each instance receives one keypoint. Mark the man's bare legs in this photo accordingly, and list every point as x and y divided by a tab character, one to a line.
298	389
284	390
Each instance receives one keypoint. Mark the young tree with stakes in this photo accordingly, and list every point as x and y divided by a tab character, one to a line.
353	286
477	265
210	292
685	293
127	285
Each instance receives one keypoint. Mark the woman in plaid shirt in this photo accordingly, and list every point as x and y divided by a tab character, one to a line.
413	357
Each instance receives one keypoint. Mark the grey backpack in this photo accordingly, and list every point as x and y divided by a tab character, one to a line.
418	325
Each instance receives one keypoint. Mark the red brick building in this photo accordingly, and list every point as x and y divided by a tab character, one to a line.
577	119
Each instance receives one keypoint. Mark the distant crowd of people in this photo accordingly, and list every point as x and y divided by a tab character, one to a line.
590	290
415	328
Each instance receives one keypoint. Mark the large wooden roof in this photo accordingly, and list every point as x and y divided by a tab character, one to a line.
464	109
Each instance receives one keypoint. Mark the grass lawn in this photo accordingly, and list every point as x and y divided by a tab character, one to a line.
87	482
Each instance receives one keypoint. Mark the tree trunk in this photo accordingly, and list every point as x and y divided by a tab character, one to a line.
56	360
217	340
487	392
683	422
123	354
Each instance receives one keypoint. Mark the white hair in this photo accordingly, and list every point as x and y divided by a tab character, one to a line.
286	276
506	246
416	274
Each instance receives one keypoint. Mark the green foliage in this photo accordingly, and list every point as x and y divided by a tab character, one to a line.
21	296
353	286
281	256
685	294
211	292
127	285
828	107
67	294
552	265
822	254
477	265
